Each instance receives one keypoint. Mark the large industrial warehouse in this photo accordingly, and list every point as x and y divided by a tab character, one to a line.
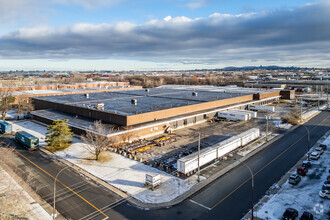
148	112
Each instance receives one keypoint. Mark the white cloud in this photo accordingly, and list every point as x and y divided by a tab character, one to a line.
197	3
301	34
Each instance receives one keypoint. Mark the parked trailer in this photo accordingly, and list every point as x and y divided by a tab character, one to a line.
189	164
28	140
252	113
233	116
5	127
262	108
232	111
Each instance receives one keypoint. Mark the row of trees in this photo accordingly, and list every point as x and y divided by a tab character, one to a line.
154	81
23	104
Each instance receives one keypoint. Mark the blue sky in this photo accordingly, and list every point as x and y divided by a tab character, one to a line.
167	34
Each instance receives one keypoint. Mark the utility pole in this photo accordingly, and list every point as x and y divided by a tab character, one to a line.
199	152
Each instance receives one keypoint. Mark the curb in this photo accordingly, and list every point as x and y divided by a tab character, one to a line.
181	197
84	172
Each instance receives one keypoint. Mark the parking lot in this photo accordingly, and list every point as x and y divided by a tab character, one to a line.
304	196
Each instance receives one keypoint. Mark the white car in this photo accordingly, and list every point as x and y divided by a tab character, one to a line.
319	149
325	194
315	155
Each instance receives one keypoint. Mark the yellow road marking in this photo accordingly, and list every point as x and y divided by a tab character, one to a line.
61	183
264	166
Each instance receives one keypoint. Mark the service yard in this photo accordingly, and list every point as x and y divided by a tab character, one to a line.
305	195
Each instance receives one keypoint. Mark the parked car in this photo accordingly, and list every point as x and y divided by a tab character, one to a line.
294	179
302	171
328	178
327	182
315	155
326	187
325	194
290	214
306	164
323	146
306	216
319	149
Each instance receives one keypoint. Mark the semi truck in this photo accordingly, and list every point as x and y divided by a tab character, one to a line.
5	127
28	140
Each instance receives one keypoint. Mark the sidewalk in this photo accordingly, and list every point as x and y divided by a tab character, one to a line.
174	201
19	202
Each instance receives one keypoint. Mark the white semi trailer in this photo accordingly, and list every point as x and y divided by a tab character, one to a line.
189	164
252	113
262	108
234	116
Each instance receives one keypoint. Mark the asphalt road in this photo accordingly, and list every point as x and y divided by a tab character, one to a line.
76	197
227	198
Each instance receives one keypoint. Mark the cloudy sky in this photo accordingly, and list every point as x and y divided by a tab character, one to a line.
162	34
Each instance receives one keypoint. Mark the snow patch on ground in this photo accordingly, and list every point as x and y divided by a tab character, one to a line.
119	171
251	147
304	196
29	207
12	114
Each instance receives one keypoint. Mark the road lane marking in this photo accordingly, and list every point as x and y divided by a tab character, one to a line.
201	205
61	183
267	165
104	209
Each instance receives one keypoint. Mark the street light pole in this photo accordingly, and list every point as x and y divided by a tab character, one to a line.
308	146
267	117
252	189
199	151
54	210
301	109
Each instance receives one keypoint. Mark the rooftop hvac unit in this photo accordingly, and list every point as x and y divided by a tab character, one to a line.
194	94
99	106
147	90
87	96
134	101
83	104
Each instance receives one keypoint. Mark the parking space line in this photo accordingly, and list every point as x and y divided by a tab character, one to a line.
201	205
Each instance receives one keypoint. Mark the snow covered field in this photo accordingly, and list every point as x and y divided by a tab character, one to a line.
305	195
20	201
119	171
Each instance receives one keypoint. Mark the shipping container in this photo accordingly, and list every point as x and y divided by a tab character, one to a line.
5	127
262	108
28	140
189	164
233	116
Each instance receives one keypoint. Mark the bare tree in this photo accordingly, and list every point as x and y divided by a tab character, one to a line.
24	105
6	100
96	139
